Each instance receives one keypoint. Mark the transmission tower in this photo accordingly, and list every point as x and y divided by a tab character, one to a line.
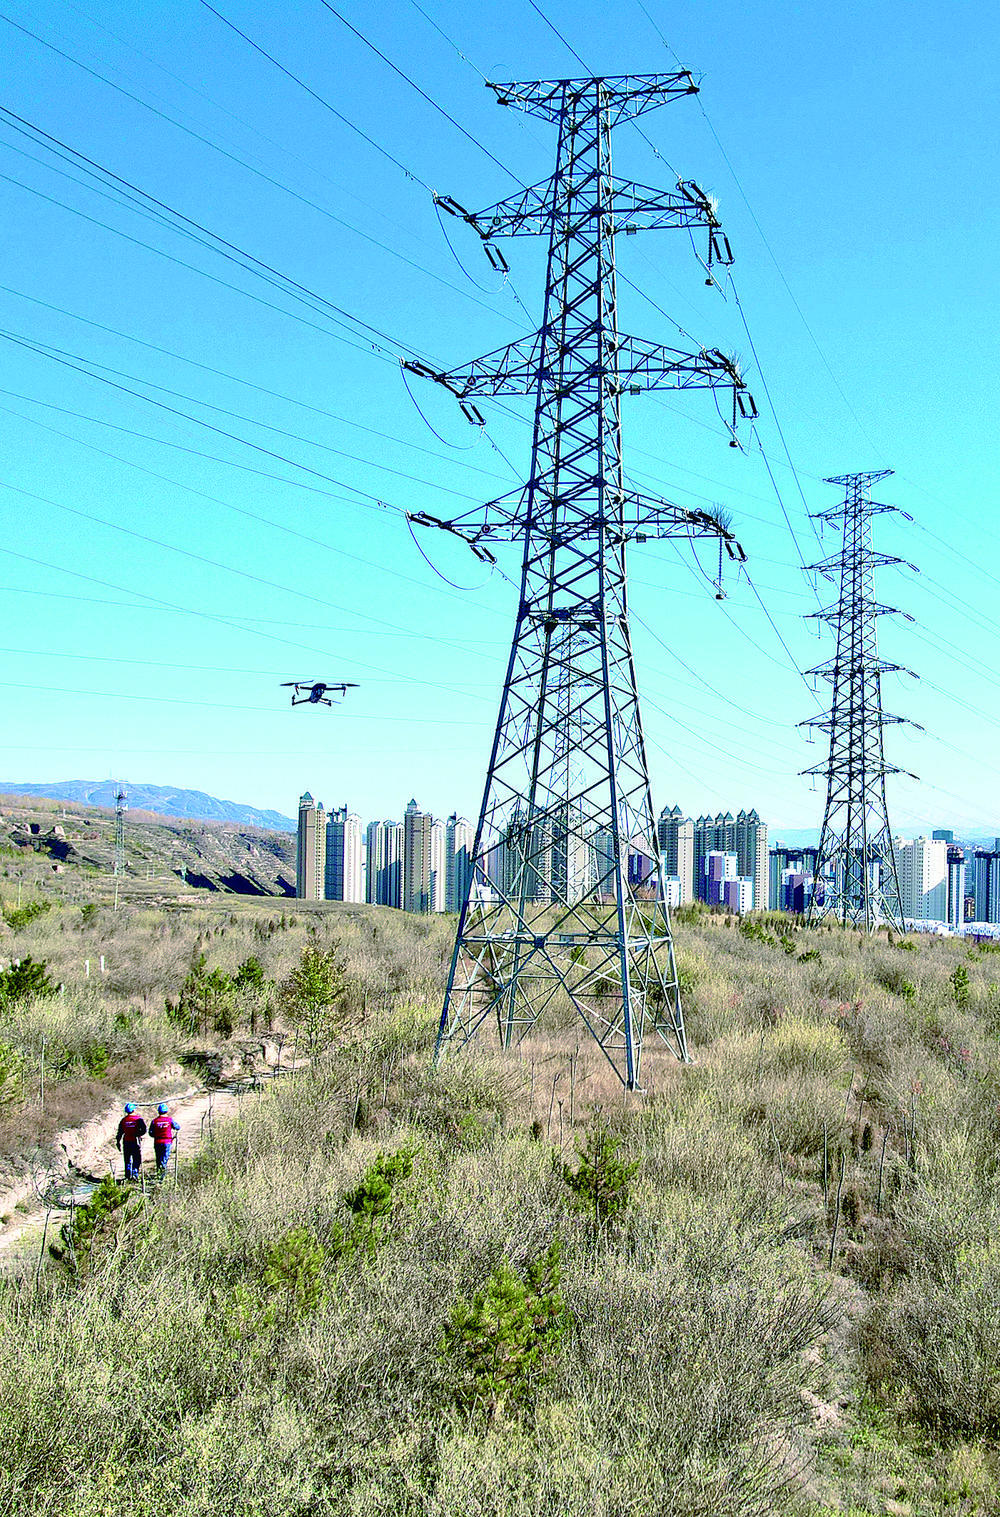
565	910
856	877
121	806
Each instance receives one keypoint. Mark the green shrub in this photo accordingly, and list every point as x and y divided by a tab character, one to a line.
959	981
500	1348
96	1060
601	1183
19	917
25	980
292	1275
93	1227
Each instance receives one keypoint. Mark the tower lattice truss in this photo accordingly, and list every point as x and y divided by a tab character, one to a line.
856	877
565	912
121	807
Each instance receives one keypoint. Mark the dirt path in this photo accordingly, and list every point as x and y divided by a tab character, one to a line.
90	1154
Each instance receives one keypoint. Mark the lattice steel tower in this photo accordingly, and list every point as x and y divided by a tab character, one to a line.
855	849
565	909
121	806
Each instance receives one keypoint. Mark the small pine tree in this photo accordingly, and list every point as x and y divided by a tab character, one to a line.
960	988
501	1347
112	1205
292	1275
25	980
315	995
601	1183
370	1202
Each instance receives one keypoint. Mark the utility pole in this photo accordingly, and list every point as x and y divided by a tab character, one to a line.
565	910
857	882
121	806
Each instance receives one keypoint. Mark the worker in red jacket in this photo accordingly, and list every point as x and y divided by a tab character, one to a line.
131	1131
163	1130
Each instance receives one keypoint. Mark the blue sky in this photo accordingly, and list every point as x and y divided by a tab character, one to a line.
161	578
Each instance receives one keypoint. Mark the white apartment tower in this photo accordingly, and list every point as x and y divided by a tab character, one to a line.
439	870
385	864
923	879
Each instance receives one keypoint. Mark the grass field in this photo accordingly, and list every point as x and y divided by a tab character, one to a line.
776	1284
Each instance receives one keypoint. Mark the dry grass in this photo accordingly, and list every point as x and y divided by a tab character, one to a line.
715	1367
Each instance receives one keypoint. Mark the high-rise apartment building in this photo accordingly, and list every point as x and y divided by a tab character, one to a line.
675	835
986	884
956	888
310	852
458	841
417	863
439	865
345	879
384	864
737	895
782	861
746	836
718	868
923	879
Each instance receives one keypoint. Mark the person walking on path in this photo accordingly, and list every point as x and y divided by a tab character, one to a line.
131	1131
163	1130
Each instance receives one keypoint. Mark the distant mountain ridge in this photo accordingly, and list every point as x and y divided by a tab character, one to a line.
164	800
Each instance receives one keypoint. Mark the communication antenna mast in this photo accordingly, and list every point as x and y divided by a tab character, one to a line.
856	877
121	807
565	909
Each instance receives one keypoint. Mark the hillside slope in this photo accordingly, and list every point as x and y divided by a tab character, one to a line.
162	800
71	848
777	1282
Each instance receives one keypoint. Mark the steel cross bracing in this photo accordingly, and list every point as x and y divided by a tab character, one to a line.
565	911
856	877
121	806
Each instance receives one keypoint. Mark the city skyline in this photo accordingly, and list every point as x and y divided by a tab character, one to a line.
232	572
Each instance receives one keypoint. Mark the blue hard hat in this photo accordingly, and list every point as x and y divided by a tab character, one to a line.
129	1108
162	1108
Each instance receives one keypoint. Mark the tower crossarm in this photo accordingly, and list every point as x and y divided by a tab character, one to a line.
629	517
633	365
870	665
835	613
879	771
826	723
867	559
632	207
623	96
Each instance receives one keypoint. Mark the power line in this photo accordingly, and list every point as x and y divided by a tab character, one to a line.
293	400
277	526
47	350
344	120
248	126
175	700
197	231
260	173
421	92
213	564
366	495
194	269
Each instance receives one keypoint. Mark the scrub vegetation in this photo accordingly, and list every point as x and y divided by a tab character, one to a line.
769	1285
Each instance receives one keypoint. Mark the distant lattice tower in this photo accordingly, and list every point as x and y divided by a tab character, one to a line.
121	807
856	877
